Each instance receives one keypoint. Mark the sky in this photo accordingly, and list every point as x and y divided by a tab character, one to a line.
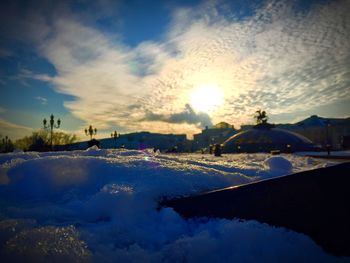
170	66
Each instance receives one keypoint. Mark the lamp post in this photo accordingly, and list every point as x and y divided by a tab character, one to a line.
115	135
90	132
51	126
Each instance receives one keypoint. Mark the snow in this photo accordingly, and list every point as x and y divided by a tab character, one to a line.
279	165
332	153
102	205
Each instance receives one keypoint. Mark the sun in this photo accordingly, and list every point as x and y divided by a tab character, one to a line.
206	98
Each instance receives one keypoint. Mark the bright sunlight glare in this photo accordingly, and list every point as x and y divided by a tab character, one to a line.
206	98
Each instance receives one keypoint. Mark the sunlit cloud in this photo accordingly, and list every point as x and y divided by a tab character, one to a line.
12	130
278	59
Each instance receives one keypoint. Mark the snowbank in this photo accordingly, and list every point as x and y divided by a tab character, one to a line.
278	165
105	202
332	153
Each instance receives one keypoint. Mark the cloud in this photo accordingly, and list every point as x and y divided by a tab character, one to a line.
278	59
42	100
12	130
187	116
5	53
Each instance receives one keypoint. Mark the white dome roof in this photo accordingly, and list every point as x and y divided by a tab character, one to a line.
262	139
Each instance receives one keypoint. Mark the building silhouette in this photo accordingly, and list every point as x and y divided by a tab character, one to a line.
323	131
139	141
316	130
211	136
267	138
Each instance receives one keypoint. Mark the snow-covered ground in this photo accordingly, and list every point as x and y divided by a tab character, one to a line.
101	205
332	153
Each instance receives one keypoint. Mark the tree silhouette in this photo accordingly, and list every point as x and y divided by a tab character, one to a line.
40	140
261	117
6	145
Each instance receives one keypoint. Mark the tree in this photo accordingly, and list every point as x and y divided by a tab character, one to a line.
61	138
261	117
40	140
6	145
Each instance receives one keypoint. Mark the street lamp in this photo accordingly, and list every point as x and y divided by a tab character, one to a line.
114	135
51	126
90	132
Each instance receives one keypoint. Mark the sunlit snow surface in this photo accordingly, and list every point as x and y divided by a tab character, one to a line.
101	206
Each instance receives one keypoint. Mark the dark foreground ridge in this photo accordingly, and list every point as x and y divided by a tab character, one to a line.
316	203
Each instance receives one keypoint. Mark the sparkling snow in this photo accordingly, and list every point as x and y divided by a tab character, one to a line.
101	205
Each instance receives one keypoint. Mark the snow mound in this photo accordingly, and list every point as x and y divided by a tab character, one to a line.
102	206
92	148
279	164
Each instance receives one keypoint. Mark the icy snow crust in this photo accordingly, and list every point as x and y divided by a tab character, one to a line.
101	206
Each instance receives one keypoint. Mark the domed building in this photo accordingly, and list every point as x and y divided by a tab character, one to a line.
266	138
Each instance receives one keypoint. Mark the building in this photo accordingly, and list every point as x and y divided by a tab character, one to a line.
267	138
137	140
143	140
216	134
322	131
